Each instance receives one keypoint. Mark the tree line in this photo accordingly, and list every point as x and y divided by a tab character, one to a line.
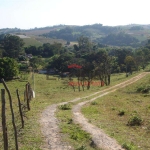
96	60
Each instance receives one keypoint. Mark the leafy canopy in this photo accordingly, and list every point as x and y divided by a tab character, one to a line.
8	68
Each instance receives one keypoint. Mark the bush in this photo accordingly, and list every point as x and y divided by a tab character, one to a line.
94	103
81	148
80	135
128	146
121	112
143	89
8	68
65	107
70	121
135	120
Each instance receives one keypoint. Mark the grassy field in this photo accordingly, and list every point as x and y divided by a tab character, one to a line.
40	31
31	42
124	115
49	40
39	40
47	92
71	130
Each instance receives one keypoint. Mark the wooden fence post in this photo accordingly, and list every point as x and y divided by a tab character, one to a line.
4	126
29	92
12	113
27	96
20	110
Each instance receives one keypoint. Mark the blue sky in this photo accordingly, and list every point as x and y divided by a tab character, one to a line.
26	14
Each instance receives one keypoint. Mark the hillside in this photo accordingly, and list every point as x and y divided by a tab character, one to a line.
129	35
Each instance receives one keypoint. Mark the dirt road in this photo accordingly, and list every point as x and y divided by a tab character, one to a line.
51	132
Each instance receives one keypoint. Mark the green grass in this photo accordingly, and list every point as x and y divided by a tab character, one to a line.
49	40
132	128
31	41
47	92
72	133
39	40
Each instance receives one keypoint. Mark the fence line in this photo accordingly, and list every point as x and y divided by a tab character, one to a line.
12	113
20	110
4	126
27	98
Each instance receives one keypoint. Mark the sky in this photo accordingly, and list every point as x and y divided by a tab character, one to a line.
27	14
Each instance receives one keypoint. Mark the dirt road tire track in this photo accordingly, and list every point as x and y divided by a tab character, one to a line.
51	132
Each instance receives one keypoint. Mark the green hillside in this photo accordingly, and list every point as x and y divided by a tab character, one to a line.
31	41
39	41
136	35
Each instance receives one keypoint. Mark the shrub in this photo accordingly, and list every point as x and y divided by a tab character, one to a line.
143	89
65	107
70	121
128	146
80	135
94	103
113	108
135	120
121	112
81	148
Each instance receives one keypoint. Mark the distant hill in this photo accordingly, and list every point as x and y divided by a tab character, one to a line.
128	35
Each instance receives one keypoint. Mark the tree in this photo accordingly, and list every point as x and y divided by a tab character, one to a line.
130	63
56	47
102	64
61	62
84	44
32	50
35	62
121	54
8	68
120	39
47	50
12	45
139	59
88	73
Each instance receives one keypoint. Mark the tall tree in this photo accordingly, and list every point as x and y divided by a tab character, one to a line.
102	65
121	55
130	63
47	50
139	59
12	45
84	46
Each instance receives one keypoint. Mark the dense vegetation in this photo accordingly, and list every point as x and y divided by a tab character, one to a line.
120	39
96	60
92	51
97	33
116	36
8	68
